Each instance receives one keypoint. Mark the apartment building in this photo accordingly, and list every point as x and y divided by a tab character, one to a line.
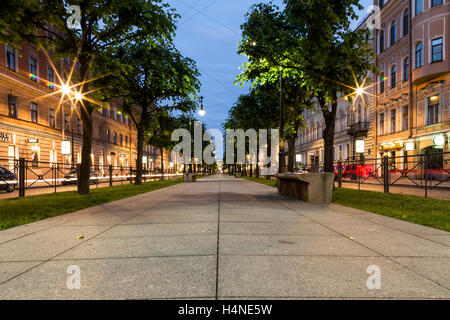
407	111
35	126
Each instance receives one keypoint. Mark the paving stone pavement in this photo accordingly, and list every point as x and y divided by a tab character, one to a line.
223	238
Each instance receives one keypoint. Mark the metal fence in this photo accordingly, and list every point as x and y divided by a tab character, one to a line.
424	171
24	174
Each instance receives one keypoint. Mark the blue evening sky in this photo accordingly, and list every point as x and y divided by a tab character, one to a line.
208	32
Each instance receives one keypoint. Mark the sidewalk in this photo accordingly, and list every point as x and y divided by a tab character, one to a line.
222	238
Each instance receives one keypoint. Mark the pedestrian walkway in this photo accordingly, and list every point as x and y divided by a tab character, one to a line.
222	238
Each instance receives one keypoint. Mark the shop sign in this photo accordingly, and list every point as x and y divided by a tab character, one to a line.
65	147
359	146
391	145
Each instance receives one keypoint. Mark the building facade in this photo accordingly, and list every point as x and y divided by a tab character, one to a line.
407	109
34	125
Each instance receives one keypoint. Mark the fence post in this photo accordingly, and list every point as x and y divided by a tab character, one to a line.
426	175
22	177
131	174
78	174
386	174
110	175
340	174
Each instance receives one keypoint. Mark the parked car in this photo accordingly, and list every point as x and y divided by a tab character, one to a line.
353	171
8	180
71	177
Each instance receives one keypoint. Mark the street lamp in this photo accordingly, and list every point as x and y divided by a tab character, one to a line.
201	112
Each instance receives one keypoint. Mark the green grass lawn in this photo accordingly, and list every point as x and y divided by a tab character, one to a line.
270	182
428	212
18	211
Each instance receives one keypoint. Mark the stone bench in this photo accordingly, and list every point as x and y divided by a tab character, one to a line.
190	177
309	187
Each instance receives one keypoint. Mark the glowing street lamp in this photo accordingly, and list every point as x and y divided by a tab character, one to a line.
202	111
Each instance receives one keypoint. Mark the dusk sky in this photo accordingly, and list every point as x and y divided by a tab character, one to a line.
208	32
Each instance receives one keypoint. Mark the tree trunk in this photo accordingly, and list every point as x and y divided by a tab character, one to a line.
291	156
328	132
140	154
86	120
85	166
162	161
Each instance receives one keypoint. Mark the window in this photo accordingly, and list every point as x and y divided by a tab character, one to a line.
35	157
121	139
393	119
419	55
51	118
50	75
405	118
126	141
406	22
108	135
115	138
419	6
107	112
436	50
435	3
66	60
10	58
433	110
381	41
33	112
393	76
100	133
359	114
382	82
12	106
382	2
115	113
406	69
78	126
393	32
33	68
66	122
381	124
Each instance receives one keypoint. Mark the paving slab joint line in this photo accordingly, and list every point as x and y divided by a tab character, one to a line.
51	258
382	255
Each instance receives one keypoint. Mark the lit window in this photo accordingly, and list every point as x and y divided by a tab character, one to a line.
51	118
433	110
12	106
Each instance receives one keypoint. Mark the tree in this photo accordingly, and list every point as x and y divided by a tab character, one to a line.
314	39
296	96
153	77
258	109
102	25
160	133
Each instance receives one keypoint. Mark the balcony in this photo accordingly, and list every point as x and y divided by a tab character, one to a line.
358	129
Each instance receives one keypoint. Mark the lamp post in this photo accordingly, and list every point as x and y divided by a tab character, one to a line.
281	152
